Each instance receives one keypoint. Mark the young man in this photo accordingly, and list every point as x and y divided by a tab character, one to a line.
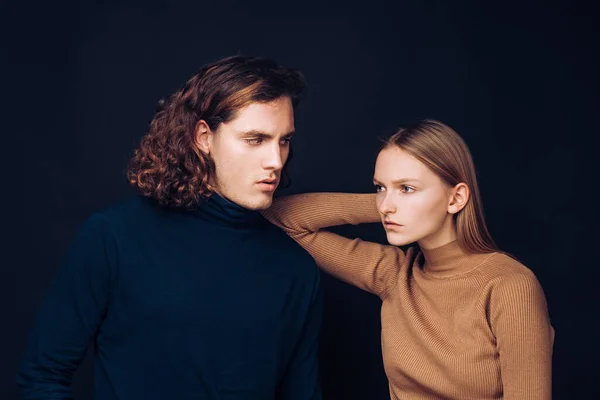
186	292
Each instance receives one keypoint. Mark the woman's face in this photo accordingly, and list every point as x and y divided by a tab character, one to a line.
412	200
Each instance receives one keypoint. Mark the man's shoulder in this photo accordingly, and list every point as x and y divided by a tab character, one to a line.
129	211
120	207
278	236
287	246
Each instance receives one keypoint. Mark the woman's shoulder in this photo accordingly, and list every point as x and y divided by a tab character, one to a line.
502	265
505	274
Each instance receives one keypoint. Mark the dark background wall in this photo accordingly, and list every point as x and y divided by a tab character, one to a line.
517	80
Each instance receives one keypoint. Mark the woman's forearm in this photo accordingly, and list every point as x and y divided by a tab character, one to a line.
311	212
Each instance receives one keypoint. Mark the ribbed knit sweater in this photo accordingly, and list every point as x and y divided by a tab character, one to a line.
454	325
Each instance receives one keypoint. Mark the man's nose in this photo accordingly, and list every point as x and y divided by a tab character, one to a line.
274	158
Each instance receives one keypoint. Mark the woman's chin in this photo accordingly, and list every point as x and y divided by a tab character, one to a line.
396	240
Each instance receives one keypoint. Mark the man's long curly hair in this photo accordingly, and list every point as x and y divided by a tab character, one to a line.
169	166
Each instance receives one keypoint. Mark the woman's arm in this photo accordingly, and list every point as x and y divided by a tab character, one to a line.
524	337
369	266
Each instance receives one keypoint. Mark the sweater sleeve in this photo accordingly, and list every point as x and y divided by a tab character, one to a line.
369	266
524	337
70	315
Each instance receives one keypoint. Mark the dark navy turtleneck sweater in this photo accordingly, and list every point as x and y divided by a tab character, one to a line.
215	303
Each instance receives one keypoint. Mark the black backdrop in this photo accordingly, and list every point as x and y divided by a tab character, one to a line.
517	80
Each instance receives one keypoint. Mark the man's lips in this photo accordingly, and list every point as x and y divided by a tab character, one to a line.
268	181
268	184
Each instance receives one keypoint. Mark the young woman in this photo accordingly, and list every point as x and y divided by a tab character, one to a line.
460	319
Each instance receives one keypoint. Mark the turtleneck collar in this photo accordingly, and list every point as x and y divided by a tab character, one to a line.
221	211
450	260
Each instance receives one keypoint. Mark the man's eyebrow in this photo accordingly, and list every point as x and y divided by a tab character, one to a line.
260	134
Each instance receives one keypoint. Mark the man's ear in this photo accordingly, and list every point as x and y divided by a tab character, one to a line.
459	198
202	136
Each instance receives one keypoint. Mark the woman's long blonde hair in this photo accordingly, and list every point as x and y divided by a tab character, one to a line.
445	153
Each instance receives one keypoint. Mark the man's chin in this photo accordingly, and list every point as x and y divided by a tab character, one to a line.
259	203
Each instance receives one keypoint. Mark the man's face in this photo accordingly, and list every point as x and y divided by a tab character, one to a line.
250	151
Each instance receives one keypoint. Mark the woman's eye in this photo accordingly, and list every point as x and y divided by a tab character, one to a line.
378	188
406	189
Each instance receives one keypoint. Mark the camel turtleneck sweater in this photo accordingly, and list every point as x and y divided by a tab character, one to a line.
454	325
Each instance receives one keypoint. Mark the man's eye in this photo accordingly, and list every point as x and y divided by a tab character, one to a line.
286	141
254	141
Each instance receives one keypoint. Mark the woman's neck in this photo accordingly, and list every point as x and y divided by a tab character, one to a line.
443	236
